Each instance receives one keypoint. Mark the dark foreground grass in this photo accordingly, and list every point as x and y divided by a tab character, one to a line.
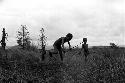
104	65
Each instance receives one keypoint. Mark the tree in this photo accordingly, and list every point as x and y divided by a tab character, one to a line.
23	38
43	41
4	36
42	38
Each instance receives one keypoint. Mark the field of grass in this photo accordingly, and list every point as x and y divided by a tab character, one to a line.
103	65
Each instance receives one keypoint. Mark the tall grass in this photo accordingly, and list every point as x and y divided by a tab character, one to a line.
104	65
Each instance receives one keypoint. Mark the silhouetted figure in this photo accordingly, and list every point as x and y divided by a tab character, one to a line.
85	48
59	45
4	36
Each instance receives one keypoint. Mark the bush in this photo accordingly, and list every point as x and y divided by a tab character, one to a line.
113	45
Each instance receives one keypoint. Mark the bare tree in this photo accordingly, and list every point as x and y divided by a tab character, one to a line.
23	38
43	41
4	36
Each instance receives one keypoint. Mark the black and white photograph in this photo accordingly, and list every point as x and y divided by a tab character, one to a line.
62	41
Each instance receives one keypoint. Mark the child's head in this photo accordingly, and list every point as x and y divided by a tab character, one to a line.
84	40
69	36
3	29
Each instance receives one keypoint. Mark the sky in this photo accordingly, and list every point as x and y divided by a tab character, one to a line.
101	21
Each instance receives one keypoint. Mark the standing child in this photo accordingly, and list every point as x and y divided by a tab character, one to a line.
85	48
59	45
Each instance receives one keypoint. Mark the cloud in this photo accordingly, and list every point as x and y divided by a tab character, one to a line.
1	1
84	18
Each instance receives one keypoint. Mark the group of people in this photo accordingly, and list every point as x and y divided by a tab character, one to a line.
59	46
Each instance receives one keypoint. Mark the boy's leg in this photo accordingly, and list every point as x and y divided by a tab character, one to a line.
85	53
85	58
60	53
3	45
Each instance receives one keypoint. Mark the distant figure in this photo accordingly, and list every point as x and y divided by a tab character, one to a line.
4	36
59	45
85	48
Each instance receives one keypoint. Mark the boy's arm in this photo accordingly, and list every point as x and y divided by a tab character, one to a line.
69	45
62	43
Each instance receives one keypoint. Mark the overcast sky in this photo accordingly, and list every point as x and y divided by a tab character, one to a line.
101	21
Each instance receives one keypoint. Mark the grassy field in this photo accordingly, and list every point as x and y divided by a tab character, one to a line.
103	65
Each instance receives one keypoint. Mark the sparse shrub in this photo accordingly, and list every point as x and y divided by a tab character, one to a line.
113	45
105	65
42	39
23	38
